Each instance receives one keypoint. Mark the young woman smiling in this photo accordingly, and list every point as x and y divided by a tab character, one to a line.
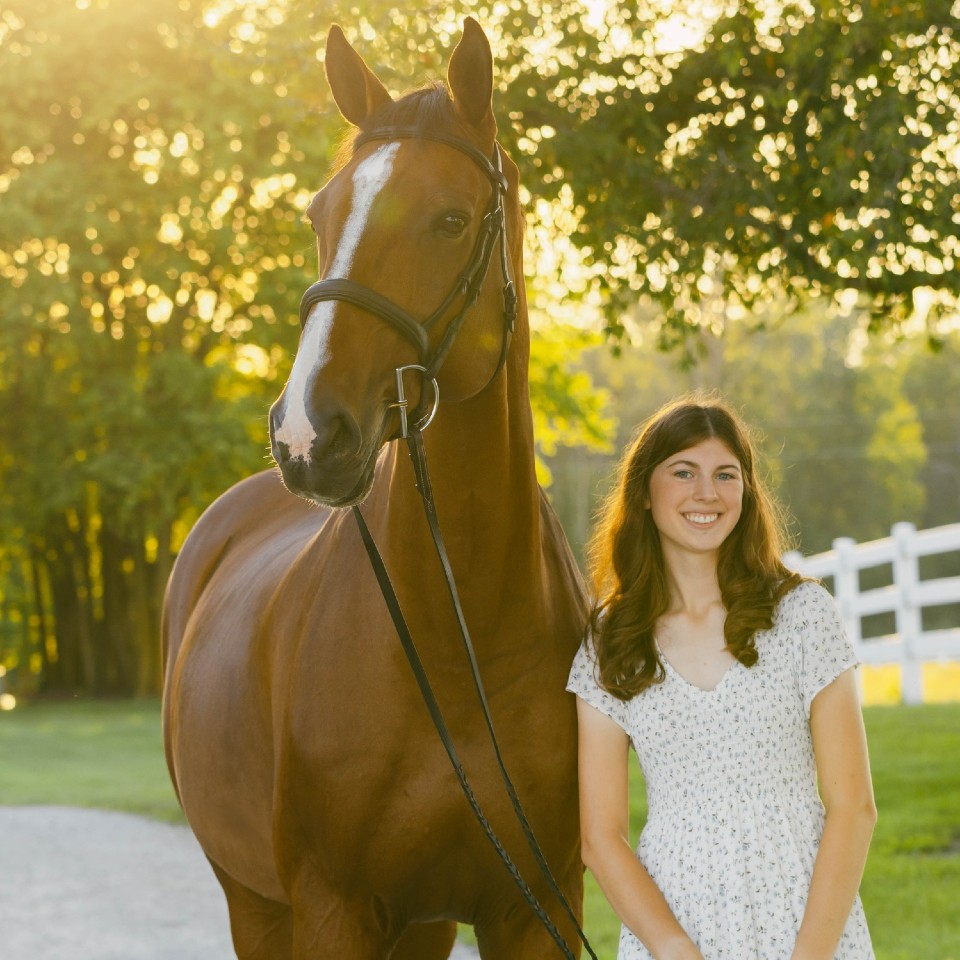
732	678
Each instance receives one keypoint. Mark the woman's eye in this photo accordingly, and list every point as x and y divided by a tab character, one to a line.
452	224
683	474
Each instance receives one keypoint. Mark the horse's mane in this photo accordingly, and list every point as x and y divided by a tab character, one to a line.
427	109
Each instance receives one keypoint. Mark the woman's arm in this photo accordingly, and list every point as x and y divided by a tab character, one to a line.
604	824
843	770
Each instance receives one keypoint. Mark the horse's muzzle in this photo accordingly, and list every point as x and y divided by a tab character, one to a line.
340	487
321	459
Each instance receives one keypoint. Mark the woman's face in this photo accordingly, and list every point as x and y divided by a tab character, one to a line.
696	498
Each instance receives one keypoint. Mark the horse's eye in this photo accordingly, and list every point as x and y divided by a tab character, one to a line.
452	225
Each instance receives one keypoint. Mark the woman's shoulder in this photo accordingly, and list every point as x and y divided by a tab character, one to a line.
811	633
808	596
584	681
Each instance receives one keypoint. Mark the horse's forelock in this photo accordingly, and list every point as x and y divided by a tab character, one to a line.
429	109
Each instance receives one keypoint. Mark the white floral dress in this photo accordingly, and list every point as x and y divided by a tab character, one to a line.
734	816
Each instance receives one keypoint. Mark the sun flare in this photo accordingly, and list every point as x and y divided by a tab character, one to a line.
676	26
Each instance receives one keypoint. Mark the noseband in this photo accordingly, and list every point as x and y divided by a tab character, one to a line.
468	284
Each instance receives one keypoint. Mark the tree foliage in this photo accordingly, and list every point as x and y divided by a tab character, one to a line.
156	160
797	149
138	351
153	180
784	150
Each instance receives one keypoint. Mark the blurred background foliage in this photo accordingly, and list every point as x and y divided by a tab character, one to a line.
757	197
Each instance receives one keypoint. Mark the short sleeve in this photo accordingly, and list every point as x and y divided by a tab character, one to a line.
823	649
583	682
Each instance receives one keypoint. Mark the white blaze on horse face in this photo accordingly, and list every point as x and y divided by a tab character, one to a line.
296	431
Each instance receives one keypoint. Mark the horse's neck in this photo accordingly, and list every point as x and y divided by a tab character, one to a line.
481	461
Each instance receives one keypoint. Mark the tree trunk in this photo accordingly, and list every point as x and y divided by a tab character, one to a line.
145	610
90	636
66	625
117	625
51	666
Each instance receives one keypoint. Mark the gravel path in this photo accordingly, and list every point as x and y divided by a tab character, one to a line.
98	885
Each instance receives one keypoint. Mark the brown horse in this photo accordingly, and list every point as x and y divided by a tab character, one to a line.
301	750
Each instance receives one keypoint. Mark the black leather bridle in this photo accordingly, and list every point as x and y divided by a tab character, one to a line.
467	286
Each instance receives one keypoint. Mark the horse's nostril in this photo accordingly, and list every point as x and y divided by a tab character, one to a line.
340	438
281	452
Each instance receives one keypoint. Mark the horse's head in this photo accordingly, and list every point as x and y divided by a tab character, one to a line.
406	230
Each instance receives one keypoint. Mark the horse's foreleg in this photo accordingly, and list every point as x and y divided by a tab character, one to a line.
262	929
516	933
426	941
522	941
327	924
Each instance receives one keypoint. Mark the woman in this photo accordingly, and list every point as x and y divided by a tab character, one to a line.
732	678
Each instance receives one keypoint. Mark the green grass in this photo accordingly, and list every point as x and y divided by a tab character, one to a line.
911	888
109	755
106	754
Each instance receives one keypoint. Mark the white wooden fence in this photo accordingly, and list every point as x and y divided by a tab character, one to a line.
905	598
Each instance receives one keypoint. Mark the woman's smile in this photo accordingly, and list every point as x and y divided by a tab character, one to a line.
701	519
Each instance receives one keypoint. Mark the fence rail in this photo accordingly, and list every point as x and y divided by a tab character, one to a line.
906	597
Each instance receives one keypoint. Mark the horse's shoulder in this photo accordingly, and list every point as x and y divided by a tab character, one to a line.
252	503
248	514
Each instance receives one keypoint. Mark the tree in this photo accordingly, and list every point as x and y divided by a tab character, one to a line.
844	442
152	259
152	256
779	151
795	150
131	270
932	383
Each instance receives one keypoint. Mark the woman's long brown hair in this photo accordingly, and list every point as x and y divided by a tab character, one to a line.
626	560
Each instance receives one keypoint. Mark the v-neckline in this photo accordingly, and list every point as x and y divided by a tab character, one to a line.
696	686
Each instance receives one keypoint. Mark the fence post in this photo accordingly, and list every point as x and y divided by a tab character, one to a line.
909	620
846	589
793	560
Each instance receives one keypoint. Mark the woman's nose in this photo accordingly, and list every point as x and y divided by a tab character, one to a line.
705	489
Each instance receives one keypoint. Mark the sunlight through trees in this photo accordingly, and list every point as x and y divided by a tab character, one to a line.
704	163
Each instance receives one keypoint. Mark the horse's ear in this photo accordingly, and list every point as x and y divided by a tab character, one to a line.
470	75
357	91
